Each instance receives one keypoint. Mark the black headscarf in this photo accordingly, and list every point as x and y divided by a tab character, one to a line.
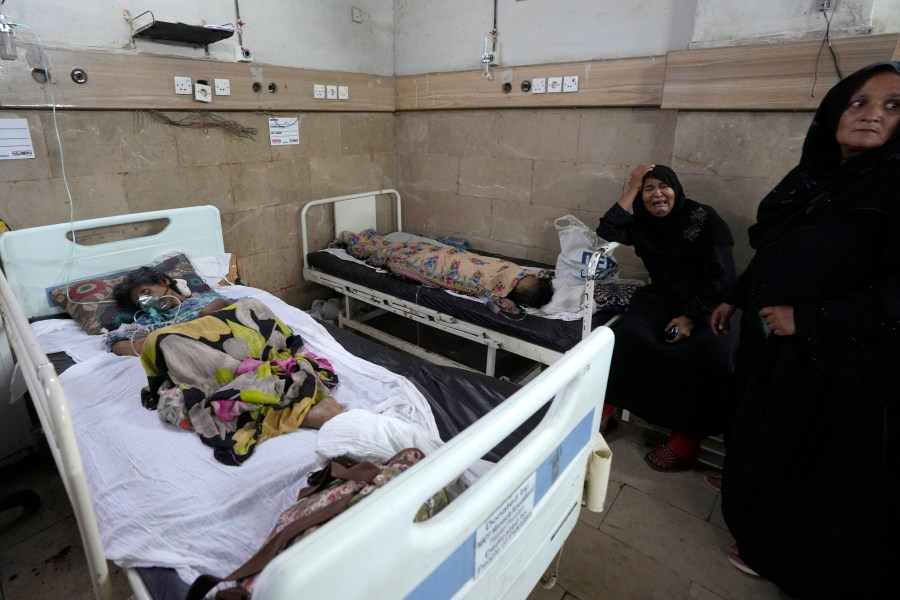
804	196
689	229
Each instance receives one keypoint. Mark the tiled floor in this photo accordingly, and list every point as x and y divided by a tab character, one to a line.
662	536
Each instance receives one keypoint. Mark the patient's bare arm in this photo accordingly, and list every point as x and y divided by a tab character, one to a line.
128	347
217	304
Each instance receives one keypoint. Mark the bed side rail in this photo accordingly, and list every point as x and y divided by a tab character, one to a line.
53	411
353	200
493	541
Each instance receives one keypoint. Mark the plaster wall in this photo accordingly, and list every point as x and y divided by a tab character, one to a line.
315	34
443	36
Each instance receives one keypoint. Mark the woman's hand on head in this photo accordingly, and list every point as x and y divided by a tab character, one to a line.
636	178
684	325
779	319
720	320
635	183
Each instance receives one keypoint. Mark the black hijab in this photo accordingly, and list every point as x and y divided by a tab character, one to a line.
804	197
689	230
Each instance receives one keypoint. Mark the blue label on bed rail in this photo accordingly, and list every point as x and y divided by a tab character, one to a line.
473	557
495	533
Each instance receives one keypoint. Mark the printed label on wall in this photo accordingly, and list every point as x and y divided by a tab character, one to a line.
284	130
15	139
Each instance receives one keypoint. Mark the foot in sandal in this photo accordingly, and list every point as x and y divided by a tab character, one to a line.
663	458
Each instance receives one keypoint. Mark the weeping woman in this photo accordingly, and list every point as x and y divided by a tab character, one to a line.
667	366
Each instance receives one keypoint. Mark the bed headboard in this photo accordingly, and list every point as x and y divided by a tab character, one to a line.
354	212
43	257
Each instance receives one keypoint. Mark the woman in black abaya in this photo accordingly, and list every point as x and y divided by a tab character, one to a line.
676	380
810	486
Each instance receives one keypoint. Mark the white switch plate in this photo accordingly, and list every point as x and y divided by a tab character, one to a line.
202	93
570	83
331	92
183	86
554	85
343	92
318	90
538	85
223	87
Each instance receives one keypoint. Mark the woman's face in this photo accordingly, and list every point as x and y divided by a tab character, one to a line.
872	116
155	289
658	197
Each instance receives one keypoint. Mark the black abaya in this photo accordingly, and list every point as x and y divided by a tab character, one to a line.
810	487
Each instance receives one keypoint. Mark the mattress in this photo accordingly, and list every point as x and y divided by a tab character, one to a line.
154	488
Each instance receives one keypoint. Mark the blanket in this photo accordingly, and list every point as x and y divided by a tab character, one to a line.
445	266
237	377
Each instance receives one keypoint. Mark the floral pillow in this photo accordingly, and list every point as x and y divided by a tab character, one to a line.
92	303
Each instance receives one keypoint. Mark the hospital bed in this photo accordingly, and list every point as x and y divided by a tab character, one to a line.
540	339
115	457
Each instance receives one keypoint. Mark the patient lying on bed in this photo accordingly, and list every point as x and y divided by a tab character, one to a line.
230	371
502	282
157	301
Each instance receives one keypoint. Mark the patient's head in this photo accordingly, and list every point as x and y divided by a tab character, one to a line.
145	281
532	291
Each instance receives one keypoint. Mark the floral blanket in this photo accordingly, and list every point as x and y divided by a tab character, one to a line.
237	377
464	272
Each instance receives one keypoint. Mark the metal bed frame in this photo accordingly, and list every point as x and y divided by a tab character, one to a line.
356	212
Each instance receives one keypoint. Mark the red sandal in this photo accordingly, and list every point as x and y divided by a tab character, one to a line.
663	458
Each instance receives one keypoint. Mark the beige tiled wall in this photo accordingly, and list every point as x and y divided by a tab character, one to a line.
500	178
496	177
120	162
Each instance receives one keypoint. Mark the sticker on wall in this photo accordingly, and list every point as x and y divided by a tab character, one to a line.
15	139
284	130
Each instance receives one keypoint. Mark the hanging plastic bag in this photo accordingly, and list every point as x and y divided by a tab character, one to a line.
577	242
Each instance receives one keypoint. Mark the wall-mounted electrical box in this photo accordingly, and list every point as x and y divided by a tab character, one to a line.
183	86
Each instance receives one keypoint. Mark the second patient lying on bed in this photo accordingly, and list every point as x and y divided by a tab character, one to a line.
504	283
229	370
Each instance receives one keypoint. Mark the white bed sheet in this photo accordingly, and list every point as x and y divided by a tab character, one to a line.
161	498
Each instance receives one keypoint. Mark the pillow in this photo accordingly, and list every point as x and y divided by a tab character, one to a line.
93	305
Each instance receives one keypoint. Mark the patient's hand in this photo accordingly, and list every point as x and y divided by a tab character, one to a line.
215	305
128	347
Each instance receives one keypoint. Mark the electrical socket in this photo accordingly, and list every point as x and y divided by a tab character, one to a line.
318	90
202	93
331	92
183	86
554	85
223	87
539	85
570	83
343	92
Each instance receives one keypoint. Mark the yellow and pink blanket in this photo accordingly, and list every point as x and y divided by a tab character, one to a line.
463	272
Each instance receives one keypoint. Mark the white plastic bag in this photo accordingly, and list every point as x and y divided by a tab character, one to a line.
577	242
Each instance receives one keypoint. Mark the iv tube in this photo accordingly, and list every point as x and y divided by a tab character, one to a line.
7	43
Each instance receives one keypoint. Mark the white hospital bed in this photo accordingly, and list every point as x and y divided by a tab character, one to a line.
356	212
465	551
